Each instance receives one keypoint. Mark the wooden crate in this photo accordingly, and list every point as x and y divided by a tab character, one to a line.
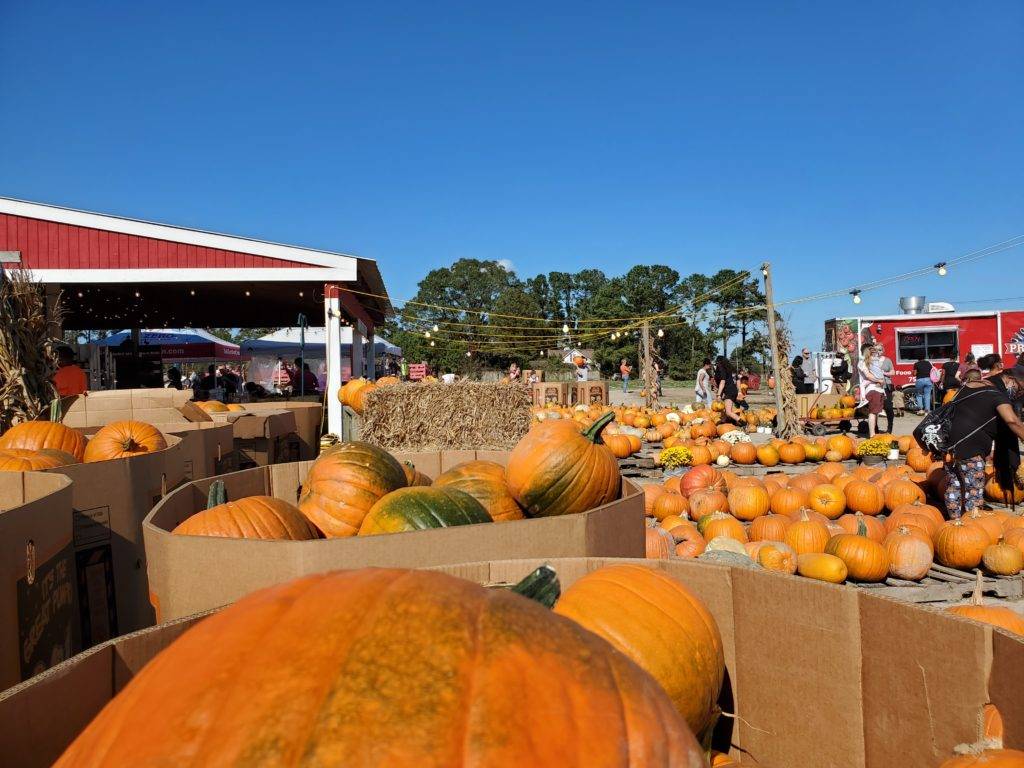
547	392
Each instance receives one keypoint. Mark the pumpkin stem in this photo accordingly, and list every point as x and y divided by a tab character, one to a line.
976	595
217	494
594	433
541	586
862	530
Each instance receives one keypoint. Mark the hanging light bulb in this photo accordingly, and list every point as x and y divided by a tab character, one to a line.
469	354
192	292
661	333
565	327
248	294
431	343
856	295
941	267
427	334
613	337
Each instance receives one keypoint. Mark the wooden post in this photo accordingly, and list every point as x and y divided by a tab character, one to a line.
647	366
766	270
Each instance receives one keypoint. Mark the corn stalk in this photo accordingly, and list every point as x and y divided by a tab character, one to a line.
791	413
28	344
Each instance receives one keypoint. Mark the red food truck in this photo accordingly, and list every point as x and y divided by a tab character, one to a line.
938	336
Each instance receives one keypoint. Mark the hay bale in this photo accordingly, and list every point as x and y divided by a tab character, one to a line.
466	415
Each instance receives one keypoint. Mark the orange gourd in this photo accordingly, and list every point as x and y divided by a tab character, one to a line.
850	523
37	435
900	492
662	626
557	470
769	528
277	677
706	501
658	543
122	440
701	478
721	524
767	456
788	501
671	504
776	556
743	453
866	560
822	567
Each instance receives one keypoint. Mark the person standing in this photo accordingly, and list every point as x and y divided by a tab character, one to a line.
624	370
404	369
872	386
923	386
810	374
703	388
950	379
984	414
796	370
69	378
514	374
888	371
840	374
969	364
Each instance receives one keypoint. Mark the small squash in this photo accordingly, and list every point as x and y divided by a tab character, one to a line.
817	565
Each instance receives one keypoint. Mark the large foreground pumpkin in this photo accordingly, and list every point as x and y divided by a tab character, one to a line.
557	470
485	482
122	440
388	667
420	508
344	483
252	517
662	626
36	435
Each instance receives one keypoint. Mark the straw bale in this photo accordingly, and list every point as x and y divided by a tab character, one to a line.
466	415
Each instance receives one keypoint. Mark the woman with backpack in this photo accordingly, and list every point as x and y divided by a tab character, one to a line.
981	414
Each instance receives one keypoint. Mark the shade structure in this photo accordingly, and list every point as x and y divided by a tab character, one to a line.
179	344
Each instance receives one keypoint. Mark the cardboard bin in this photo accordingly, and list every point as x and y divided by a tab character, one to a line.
589	393
261	438
208	447
188	574
308	417
109	501
857	682
94	409
550	392
38	602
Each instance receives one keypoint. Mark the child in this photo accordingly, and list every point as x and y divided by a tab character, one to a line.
741	397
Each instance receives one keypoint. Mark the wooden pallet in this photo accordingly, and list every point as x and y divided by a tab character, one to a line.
944	584
642	464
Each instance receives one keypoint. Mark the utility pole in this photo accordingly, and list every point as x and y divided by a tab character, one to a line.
766	270
648	367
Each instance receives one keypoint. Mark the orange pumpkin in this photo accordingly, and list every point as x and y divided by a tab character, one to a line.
344	483
921	523
22	460
910	553
275	678
37	435
1002	560
769	528
659	544
689	542
357	400
866	560
651	494
806	482
662	626
995	492
767	456
989	758
485	482
806	535
1015	537
829	471
865	497
828	500
748	502
701	478
557	470
918	460
792	453
123	439
776	556
874	530
988	522
743	453
700	456
721	524
619	445
996	616
960	545
900	492
706	501
671	504
211	406
842	445
252	517
788	501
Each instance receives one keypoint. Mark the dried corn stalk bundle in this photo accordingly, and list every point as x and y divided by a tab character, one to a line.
786	389
27	349
461	416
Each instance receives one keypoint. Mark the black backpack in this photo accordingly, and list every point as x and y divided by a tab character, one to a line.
932	434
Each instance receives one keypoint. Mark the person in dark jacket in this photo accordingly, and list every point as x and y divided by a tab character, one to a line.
799	375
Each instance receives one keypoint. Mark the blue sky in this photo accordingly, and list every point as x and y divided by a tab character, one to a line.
843	142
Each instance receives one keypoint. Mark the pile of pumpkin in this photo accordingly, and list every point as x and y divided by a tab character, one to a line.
356	489
37	445
844	409
828	525
216	406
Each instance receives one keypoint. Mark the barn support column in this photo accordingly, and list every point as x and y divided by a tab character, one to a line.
332	325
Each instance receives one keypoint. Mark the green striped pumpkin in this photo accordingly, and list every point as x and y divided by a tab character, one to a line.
421	507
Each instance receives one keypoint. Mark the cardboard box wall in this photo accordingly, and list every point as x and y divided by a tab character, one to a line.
38	598
188	574
94	409
266	437
208	448
550	393
817	675
308	417
109	501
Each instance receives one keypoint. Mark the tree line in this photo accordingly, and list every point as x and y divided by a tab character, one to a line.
485	309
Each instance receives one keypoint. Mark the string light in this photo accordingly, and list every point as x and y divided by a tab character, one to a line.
469	354
431	343
856	295
941	267
661	333
136	294
301	294
427	335
247	293
565	327
436	329
192	292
